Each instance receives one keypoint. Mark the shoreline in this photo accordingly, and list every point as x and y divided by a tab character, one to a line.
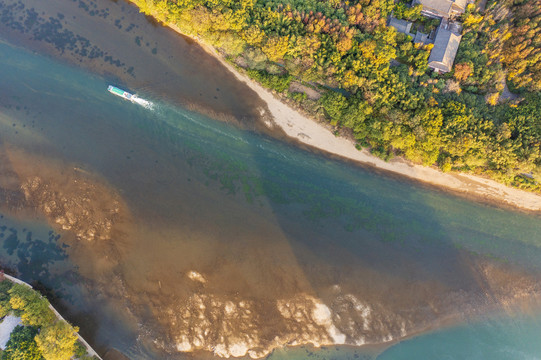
132	286
304	130
309	132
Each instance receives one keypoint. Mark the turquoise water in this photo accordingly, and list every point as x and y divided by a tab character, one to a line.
499	338
496	338
182	170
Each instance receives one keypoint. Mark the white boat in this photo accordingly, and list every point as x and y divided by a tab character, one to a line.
131	97
119	92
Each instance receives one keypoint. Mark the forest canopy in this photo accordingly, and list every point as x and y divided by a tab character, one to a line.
43	336
483	117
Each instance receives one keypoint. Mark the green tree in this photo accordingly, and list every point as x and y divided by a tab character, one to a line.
57	341
33	308
5	306
334	104
392	105
21	345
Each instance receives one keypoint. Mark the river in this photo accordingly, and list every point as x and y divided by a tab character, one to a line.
166	230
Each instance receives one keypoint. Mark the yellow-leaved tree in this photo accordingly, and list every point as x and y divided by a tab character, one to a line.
276	47
34	309
57	341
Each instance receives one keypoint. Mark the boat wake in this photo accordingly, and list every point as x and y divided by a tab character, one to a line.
144	103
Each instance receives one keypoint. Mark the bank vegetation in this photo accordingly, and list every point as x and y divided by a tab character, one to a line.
42	335
483	118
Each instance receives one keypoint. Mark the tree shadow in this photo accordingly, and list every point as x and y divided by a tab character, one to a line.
386	256
413	255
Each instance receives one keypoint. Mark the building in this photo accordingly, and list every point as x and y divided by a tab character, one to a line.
442	8
447	37
445	48
401	26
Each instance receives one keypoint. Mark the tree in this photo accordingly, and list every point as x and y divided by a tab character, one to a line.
402	11
355	115
276	47
391	105
253	35
33	308
5	306
57	341
492	98
21	345
452	86
462	71
334	103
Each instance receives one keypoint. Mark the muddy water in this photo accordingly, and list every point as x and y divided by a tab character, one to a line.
166	231
111	38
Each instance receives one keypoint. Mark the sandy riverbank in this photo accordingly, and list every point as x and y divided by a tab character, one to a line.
310	132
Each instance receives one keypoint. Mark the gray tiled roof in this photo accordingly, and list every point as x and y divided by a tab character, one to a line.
421	38
442	7
445	48
402	26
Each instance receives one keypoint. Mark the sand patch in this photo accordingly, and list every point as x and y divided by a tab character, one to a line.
311	94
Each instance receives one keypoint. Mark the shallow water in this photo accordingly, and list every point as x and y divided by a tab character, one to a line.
499	338
266	225
111	38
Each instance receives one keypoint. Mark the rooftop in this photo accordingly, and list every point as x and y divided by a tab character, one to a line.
402	26
442	7
444	51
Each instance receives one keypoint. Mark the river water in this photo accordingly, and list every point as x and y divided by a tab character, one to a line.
165	230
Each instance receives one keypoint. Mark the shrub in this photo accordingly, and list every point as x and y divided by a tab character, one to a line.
298	96
21	345
280	83
80	350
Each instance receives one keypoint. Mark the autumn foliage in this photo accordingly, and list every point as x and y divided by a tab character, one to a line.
377	82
